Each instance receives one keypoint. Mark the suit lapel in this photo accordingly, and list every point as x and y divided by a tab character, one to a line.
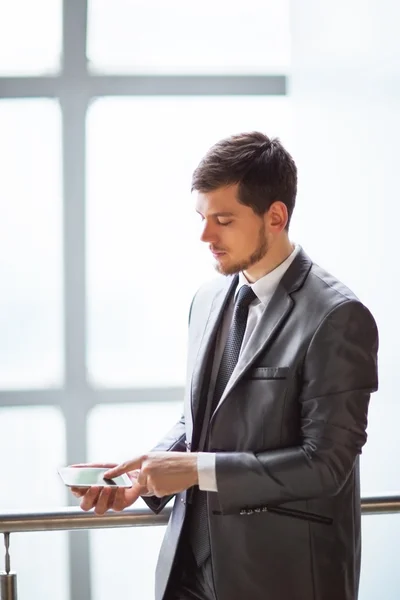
207	342
272	319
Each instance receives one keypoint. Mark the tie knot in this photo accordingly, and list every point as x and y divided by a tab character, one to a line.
245	297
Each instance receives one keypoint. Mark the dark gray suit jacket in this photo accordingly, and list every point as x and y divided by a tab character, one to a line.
288	432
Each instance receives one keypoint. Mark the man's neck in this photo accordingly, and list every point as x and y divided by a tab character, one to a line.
275	256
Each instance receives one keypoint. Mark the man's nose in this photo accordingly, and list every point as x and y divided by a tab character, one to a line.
208	234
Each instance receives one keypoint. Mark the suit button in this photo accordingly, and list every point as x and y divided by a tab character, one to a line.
183	501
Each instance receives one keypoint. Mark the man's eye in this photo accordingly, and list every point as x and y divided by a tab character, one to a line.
224	223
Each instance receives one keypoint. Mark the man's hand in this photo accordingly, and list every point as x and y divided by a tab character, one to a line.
162	473
105	498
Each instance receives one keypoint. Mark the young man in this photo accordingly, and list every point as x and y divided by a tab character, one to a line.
282	359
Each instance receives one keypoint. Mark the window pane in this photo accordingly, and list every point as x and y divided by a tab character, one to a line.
348	214
229	36
33	440
118	432
145	260
345	188
380	559
30	244
30	36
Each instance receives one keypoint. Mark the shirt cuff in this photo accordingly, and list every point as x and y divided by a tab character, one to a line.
206	471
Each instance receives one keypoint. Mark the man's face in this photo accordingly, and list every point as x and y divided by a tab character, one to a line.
236	235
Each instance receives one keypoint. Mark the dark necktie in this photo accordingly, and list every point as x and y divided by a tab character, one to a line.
200	540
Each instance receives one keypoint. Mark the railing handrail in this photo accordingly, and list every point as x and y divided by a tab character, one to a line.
69	518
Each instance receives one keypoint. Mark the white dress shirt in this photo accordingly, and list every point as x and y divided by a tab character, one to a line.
264	289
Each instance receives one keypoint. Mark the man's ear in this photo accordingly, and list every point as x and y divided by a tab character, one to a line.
277	217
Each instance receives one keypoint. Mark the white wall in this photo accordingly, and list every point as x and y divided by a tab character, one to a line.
345	96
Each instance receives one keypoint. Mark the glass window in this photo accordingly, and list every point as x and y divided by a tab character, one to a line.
379	565
145	260
119	432
30	37
153	36
346	129
31	341
33	440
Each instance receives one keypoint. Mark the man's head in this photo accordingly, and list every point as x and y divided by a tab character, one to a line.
246	188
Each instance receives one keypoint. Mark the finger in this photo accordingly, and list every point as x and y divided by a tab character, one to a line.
132	494
98	465
111	500
78	492
119	500
142	479
125	467
90	498
103	501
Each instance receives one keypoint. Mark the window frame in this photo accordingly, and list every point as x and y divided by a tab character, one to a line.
74	86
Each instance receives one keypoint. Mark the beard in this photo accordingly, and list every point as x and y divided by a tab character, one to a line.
259	253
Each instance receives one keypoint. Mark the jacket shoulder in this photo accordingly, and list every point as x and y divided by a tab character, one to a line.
325	295
328	285
207	292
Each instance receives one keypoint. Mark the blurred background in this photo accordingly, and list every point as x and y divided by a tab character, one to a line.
105	110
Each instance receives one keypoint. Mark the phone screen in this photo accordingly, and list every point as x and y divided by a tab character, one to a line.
87	476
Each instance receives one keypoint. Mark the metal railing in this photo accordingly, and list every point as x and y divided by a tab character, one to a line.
71	518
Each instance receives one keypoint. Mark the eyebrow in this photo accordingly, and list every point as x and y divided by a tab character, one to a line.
219	214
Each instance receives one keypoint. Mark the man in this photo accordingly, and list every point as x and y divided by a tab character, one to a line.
282	359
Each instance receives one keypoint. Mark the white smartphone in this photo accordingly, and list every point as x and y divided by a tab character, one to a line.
88	476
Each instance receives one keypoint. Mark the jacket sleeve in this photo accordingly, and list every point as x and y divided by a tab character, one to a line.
174	441
338	375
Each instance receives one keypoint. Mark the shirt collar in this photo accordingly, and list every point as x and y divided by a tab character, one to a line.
265	287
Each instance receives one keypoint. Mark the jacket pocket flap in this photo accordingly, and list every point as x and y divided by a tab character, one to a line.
268	373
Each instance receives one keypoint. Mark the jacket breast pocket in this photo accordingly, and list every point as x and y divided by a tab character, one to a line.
265	373
261	405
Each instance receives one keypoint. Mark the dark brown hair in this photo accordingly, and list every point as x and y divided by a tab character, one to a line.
261	166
